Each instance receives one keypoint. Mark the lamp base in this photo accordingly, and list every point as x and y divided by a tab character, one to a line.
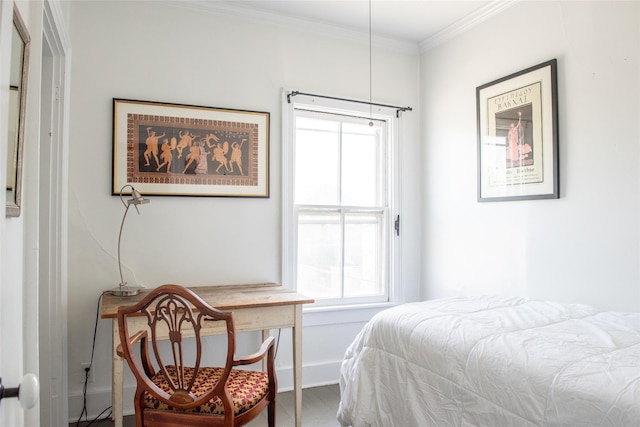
125	291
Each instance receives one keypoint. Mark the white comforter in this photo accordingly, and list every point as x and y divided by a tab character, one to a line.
493	362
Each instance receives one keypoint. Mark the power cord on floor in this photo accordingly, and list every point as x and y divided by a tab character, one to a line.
86	377
97	418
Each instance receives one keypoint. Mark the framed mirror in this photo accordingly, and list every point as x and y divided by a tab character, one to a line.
17	103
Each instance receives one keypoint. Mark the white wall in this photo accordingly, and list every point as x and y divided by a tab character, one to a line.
583	247
159	52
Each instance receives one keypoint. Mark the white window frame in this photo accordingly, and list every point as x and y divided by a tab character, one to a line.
289	236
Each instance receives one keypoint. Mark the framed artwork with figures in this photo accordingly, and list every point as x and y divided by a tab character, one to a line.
186	150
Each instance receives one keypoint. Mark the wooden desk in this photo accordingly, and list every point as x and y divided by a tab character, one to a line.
255	308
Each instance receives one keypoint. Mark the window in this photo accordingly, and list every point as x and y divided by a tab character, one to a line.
338	194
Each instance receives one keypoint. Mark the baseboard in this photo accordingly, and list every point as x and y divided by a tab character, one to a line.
312	375
99	400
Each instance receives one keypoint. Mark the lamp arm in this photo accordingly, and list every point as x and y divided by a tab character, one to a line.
136	199
121	190
122	282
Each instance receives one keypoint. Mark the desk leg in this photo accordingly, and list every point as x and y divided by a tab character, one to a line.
265	335
297	364
117	374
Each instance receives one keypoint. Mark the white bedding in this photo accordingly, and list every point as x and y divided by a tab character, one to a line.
490	361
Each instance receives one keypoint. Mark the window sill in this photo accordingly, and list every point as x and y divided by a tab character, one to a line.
343	314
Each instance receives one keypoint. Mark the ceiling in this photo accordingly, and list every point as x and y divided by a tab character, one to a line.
413	21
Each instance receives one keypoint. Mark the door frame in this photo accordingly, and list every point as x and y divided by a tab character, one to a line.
46	224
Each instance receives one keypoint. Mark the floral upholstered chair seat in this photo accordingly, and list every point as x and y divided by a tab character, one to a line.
247	388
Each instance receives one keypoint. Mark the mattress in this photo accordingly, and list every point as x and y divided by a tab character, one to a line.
493	361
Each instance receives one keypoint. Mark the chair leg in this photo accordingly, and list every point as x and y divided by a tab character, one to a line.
271	411
139	409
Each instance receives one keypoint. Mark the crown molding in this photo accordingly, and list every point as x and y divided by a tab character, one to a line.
465	24
324	29
293	23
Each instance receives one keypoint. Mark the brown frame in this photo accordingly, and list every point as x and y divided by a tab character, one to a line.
185	150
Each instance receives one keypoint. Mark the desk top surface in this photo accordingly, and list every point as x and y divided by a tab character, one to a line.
221	297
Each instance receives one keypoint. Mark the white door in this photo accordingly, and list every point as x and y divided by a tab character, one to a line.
11	333
32	247
11	344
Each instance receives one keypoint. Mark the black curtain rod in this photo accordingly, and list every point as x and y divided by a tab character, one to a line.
398	109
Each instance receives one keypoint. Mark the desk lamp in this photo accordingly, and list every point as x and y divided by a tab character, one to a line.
136	199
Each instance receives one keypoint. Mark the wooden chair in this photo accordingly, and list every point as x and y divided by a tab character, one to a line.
171	392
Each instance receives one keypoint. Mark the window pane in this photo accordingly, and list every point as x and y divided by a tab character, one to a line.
363	257
319	254
341	205
317	161
361	165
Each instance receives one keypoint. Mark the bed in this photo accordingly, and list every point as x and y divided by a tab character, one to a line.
493	361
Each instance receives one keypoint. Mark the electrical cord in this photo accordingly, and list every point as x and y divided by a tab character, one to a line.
275	354
86	375
97	418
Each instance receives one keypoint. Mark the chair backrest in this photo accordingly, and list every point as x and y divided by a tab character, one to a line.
173	313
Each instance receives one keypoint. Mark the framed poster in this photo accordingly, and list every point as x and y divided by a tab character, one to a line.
186	150
518	136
